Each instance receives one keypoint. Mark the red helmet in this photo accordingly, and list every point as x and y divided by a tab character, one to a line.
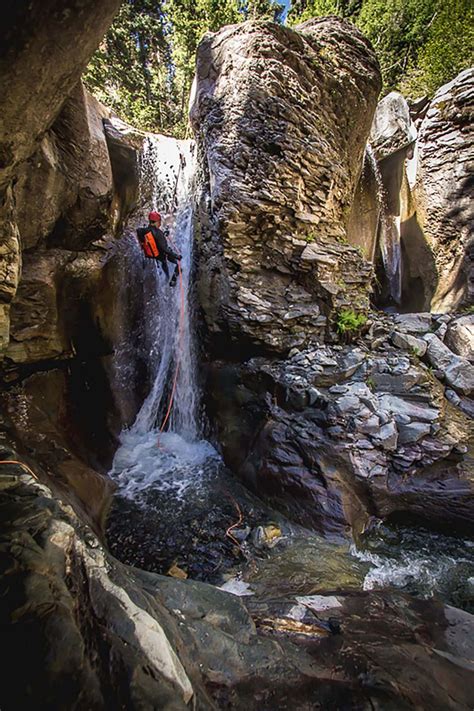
154	217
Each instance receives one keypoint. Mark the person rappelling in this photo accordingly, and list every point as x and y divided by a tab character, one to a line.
155	246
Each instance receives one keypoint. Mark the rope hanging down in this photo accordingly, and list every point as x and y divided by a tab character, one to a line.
180	341
181	318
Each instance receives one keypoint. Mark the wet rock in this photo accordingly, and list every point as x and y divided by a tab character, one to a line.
45	416
174	642
274	258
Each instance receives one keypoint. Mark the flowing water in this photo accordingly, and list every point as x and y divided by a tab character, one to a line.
176	501
162	448
389	232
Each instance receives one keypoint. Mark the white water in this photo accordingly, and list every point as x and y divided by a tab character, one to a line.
147	457
429	566
389	231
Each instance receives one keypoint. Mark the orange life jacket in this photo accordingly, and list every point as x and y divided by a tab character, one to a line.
149	245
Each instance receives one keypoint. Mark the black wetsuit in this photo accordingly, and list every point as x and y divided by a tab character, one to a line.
165	254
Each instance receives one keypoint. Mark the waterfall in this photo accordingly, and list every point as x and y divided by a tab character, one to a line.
389	231
146	456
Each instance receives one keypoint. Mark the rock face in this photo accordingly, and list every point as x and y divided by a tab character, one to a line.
41	50
443	192
281	118
334	436
414	220
89	632
392	128
47	46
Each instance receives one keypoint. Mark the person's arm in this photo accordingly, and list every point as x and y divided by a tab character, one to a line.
140	236
162	245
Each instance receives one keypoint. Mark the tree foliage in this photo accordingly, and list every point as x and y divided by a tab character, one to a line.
144	67
420	44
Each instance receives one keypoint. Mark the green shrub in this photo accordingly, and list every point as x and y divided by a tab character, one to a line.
349	322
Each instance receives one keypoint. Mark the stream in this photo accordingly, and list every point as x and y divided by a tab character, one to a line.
179	510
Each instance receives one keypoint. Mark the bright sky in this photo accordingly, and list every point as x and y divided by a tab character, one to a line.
287	4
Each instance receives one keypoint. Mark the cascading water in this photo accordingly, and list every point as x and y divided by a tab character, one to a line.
389	231
148	457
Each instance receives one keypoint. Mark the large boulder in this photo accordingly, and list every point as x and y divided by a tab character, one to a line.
63	192
443	191
66	202
392	128
460	336
281	117
47	47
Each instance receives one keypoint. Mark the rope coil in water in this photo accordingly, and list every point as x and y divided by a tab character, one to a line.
20	464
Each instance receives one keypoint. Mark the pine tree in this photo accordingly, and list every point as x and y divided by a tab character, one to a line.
131	70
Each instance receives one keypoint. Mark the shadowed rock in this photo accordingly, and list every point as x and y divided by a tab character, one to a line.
91	633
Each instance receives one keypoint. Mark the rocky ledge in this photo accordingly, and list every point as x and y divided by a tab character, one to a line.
336	435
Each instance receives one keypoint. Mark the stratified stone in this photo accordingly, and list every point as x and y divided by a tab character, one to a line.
281	117
459	372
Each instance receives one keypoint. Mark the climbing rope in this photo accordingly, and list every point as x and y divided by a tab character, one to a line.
182	310
180	343
20	464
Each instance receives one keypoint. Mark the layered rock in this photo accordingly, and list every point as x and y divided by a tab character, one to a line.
443	192
281	118
411	212
336	435
89	632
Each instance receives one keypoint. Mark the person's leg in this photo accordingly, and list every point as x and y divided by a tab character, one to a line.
164	265
174	278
